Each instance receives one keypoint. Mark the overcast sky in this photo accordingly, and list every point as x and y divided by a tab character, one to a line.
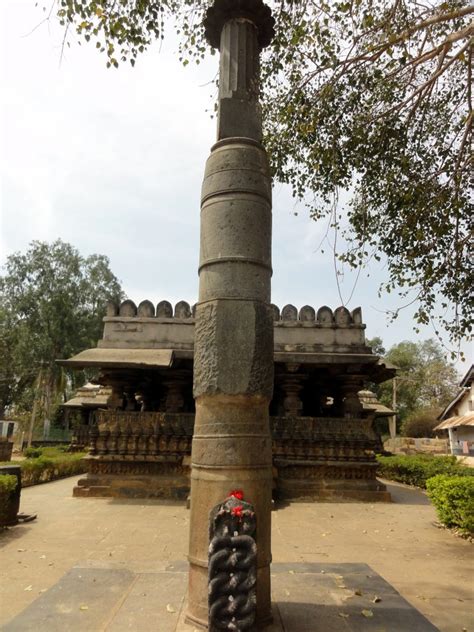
112	162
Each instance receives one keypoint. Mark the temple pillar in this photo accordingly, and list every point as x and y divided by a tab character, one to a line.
349	400
115	399
233	361
174	400
292	384
130	401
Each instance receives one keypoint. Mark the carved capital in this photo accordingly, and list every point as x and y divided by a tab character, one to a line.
255	11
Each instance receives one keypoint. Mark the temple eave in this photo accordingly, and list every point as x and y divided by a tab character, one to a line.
121	358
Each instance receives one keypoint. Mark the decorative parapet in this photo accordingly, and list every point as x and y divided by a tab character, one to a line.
307	330
288	315
324	317
146	309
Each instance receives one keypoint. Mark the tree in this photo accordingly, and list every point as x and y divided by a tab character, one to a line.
52	301
370	97
421	423
376	344
425	380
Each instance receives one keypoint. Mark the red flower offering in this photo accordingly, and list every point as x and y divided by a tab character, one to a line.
237	493
237	511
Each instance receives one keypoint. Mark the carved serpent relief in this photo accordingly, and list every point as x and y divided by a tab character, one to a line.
232	565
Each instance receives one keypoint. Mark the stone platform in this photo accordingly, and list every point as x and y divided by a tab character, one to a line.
100	597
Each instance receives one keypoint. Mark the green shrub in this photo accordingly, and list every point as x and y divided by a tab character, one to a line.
417	469
57	450
7	486
420	423
453	498
49	468
33	453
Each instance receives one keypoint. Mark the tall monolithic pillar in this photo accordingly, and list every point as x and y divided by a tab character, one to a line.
233	353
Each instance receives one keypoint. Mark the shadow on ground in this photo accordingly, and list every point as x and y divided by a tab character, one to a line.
404	495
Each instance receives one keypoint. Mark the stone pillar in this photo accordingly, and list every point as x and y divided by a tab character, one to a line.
174	402
350	385
115	399
292	384
233	352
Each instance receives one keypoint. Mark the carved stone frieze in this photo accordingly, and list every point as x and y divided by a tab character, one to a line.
136	468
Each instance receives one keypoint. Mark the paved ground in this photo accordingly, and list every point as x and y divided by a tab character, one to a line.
429	567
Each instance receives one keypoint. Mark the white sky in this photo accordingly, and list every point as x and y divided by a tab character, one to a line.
112	162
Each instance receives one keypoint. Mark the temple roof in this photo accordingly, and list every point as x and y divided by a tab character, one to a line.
149	337
89	396
121	358
370	403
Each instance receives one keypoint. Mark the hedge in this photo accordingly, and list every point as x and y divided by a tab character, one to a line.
53	463
416	470
34	453
44	468
453	498
7	486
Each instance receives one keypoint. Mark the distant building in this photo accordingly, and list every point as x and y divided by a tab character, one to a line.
138	420
457	419
8	428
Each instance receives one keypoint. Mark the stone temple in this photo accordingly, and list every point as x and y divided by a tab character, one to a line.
140	426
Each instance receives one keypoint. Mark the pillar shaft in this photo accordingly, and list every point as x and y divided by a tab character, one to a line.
233	349
239	109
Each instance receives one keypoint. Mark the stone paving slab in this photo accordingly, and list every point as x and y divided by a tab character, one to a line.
82	600
307	598
335	597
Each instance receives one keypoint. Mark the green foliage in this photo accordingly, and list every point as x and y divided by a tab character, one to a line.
376	344
425	379
421	423
51	465
7	484
33	453
453	498
354	96
52	303
416	470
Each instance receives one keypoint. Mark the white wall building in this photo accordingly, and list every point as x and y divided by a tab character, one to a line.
458	418
8	428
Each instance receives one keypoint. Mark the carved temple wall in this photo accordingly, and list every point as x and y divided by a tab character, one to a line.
147	454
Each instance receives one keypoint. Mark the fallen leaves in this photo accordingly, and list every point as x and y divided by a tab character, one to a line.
367	613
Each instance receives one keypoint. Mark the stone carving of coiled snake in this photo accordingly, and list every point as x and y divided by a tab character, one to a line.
232	566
